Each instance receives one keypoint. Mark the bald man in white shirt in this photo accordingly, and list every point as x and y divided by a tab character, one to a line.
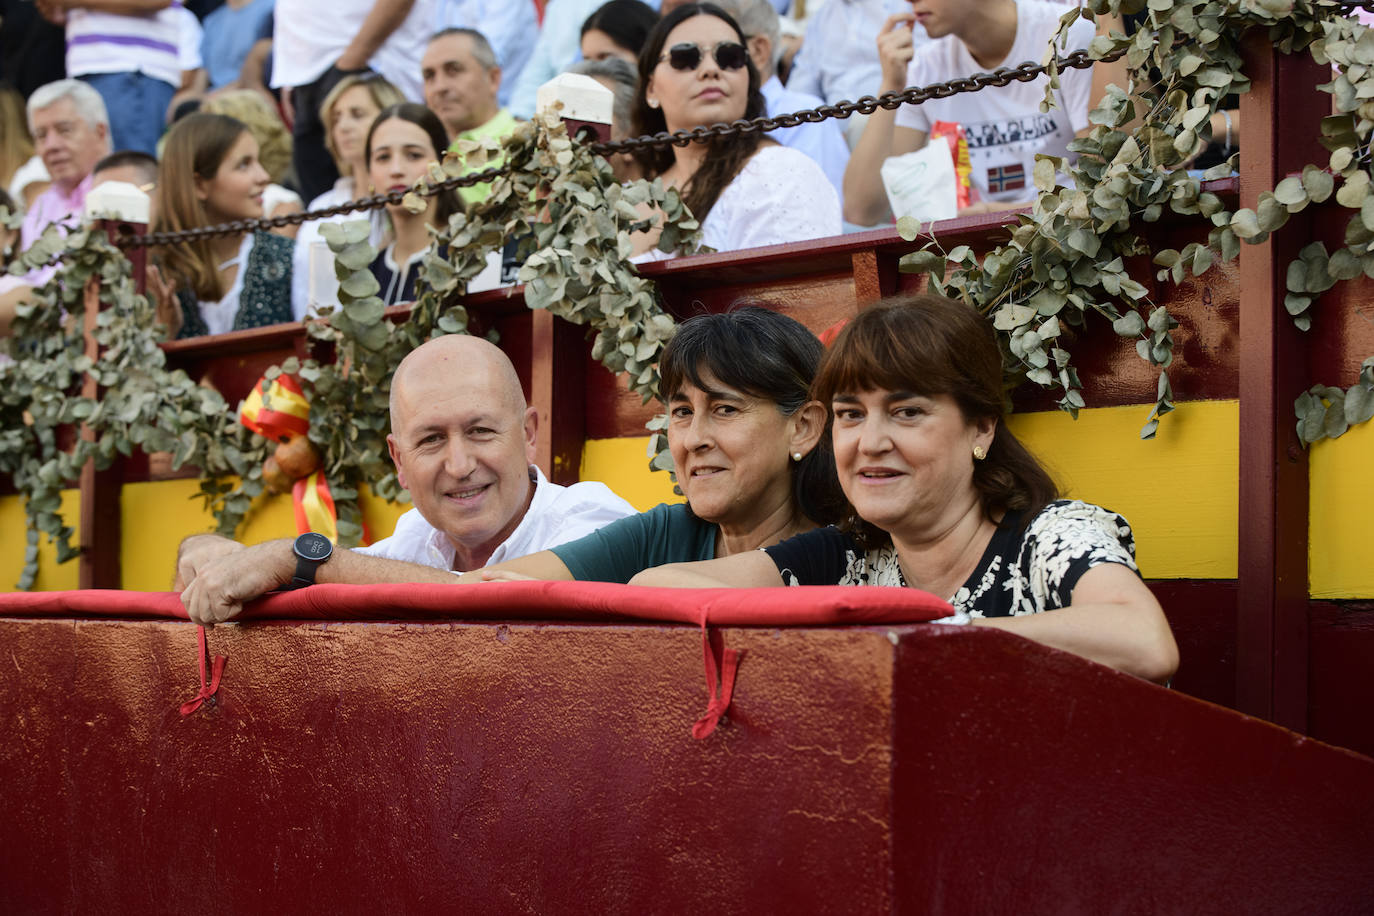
462	439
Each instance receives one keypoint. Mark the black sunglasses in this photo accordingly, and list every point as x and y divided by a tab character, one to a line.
729	55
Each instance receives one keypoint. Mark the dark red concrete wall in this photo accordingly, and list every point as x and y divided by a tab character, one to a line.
371	767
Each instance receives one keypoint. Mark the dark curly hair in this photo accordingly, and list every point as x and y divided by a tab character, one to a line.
724	156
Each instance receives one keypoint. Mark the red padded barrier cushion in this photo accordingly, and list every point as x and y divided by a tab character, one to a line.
586	601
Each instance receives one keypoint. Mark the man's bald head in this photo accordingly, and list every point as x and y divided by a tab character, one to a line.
457	361
463	439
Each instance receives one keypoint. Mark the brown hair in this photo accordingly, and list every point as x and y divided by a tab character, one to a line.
724	156
383	93
930	345
196	145
447	202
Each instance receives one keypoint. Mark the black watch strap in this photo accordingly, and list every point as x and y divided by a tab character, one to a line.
312	550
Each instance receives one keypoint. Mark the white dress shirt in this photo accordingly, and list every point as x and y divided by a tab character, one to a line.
558	46
556	515
308	37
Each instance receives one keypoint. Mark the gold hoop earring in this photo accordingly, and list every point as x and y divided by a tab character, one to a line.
979	453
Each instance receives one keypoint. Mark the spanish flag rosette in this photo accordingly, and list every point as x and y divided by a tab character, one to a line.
280	411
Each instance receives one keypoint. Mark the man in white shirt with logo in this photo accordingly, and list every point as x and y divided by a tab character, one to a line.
1004	125
463	442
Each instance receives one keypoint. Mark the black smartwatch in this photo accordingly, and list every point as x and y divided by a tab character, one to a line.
311	550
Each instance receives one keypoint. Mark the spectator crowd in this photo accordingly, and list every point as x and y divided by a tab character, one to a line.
233	109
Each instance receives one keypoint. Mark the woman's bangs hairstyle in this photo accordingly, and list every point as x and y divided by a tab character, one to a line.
768	356
383	93
725	156
448	200
928	345
195	148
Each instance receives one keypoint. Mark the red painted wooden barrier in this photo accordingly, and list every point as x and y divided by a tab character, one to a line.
527	766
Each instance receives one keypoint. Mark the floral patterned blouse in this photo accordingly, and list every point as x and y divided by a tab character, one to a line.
1021	572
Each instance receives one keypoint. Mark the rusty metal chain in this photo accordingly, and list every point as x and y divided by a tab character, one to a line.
363	204
868	104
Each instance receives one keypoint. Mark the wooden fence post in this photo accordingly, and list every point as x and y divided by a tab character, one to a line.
1280	122
101	528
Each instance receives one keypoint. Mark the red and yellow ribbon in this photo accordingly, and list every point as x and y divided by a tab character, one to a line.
315	506
279	410
276	410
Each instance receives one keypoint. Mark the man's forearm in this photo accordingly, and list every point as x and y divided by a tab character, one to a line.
348	567
386	17
251	74
865	199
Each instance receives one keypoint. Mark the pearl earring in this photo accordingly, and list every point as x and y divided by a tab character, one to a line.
796	456
979	453
653	103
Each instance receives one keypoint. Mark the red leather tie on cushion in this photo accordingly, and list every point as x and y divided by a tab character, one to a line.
720	701
207	688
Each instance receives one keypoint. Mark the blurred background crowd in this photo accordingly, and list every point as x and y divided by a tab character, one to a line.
232	109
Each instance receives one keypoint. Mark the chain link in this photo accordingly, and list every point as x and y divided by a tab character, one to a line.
865	105
868	104
363	204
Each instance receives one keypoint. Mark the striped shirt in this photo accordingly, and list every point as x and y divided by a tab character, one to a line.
110	43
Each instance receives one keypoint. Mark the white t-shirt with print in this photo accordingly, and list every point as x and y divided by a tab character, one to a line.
1004	125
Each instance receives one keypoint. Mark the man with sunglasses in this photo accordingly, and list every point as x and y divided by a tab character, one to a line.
823	142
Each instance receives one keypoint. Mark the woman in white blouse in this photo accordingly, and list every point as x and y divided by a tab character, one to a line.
346	113
747	190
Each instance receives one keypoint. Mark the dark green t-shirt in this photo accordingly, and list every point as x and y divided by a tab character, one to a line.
665	534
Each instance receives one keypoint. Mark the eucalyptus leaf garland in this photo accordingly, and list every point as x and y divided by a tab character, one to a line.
1065	260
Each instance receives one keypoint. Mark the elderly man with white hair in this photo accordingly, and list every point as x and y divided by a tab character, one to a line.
71	130
824	142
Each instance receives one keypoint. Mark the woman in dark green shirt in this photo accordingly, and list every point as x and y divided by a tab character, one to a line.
746	444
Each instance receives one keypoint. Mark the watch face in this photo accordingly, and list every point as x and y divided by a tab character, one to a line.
313	546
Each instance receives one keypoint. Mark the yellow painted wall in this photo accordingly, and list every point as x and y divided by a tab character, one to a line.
1178	491
51	576
1188	533
623	465
158	515
1341	516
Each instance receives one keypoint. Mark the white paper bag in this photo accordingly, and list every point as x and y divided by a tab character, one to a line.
922	184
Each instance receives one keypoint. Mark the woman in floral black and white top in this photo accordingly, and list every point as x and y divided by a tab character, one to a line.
947	500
